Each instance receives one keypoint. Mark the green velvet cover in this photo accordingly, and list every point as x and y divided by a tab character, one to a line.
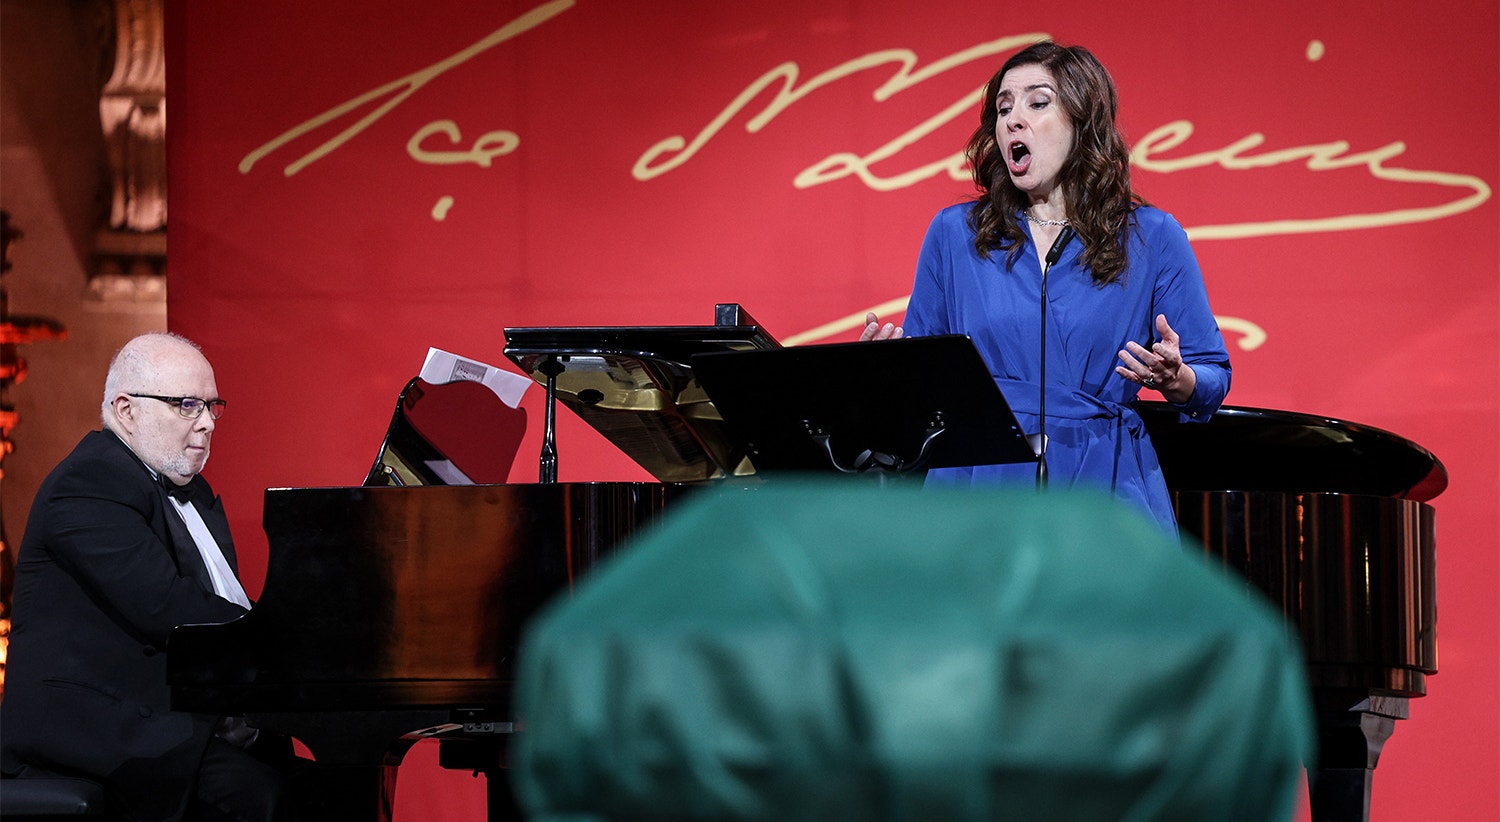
846	652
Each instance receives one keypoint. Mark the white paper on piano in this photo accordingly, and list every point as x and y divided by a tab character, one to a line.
442	367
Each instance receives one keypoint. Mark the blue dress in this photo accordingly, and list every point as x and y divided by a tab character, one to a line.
1095	437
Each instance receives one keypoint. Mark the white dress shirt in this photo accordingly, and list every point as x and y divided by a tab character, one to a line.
225	583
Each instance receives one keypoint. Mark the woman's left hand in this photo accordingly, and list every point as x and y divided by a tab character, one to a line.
1160	366
875	331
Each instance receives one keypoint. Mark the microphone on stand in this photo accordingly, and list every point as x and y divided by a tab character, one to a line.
1053	254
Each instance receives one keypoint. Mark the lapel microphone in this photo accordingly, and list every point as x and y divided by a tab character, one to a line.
1053	253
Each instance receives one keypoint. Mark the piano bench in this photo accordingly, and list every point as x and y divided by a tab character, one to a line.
33	799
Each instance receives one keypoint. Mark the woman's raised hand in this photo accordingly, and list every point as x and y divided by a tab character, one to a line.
875	331
1159	365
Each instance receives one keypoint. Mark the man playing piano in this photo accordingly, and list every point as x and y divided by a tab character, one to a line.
126	541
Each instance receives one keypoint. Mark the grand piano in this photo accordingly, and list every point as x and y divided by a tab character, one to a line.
392	611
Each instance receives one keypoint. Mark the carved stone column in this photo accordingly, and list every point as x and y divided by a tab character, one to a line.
132	248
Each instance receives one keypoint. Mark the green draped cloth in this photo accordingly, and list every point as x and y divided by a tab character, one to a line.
846	652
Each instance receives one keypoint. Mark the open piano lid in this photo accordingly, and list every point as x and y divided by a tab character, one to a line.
1255	449
633	384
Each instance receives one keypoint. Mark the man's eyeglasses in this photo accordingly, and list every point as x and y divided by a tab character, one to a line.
189	408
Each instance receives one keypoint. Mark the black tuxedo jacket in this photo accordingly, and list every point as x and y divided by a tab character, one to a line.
105	571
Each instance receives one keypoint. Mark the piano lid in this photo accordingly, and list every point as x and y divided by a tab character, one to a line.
634	385
1255	449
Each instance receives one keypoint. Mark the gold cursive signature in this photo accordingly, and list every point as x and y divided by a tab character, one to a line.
679	150
487	146
485	149
672	152
1319	157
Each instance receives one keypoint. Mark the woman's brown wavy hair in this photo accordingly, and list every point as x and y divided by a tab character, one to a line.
1095	176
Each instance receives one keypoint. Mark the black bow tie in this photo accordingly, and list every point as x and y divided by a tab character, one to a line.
181	493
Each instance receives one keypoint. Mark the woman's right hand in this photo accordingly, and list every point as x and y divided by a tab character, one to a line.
875	331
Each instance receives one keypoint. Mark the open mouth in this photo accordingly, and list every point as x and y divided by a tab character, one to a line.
1020	157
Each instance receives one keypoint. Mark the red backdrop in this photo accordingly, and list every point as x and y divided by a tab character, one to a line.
354	182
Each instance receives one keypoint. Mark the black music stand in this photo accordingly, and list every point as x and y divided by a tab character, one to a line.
888	407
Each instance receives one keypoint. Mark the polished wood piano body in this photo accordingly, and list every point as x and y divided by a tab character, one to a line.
392	611
392	614
1331	520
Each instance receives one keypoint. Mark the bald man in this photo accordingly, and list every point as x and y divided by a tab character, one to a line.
125	542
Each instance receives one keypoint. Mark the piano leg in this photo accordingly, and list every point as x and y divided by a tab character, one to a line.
352	793
1352	729
357	754
499	799
486	755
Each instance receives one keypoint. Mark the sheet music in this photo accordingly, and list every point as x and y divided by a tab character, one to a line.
443	367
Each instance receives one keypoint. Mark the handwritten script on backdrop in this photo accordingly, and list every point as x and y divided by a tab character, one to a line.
441	142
